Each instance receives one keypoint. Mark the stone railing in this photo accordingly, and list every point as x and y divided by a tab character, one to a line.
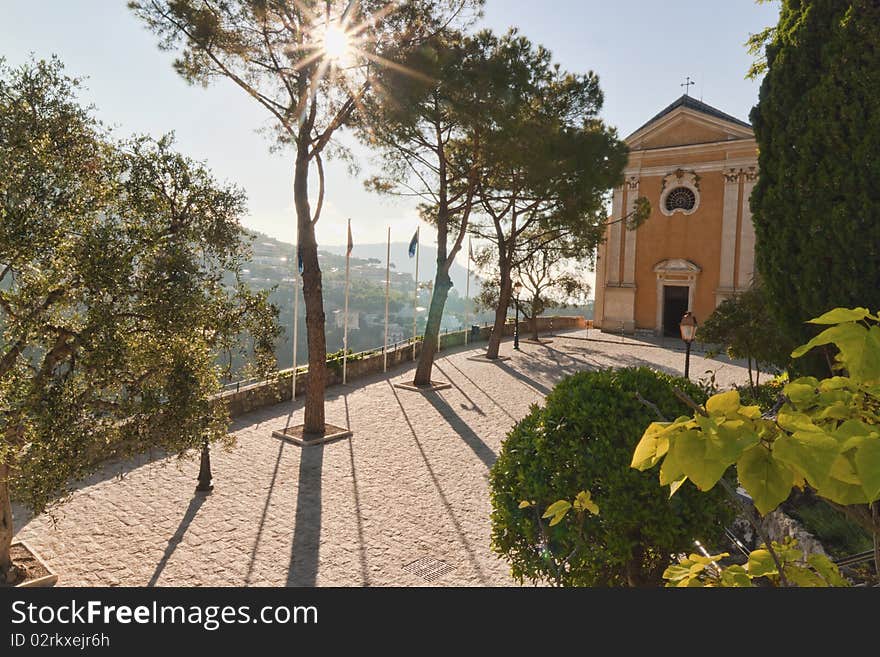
256	395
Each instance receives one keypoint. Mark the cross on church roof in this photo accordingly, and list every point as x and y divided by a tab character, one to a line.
687	86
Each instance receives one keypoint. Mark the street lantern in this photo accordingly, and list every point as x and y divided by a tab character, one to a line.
517	288
206	483
688	328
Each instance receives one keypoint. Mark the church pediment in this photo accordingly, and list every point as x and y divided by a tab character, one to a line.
676	266
687	122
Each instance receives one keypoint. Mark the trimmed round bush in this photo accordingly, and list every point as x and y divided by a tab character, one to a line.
583	439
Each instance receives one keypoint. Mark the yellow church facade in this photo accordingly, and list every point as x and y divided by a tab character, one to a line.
697	166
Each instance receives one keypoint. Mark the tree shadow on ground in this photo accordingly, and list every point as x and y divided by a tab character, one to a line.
362	546
462	429
304	554
253	558
462	537
474	384
524	378
194	505
473	405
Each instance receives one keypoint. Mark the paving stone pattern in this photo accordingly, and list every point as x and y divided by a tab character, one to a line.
412	484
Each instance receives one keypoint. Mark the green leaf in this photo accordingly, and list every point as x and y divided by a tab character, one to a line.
843	468
726	403
557	511
791	420
736	576
833	334
838	383
652	447
827	569
704	457
671	469
841	492
761	563
677	572
867	461
583	502
525	505
841	315
808	452
675	485
859	349
767	480
800	393
804	577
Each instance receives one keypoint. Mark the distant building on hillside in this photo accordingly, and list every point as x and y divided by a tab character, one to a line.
353	319
697	166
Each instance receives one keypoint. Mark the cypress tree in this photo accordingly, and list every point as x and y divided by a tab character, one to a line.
816	206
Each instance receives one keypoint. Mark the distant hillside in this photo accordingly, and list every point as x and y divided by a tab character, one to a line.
400	260
403	263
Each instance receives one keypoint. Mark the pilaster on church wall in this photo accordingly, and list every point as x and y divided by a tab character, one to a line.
612	260
746	268
629	262
730	212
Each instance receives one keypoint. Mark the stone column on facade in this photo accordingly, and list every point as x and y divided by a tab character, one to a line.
599	285
629	259
730	210
747	234
612	260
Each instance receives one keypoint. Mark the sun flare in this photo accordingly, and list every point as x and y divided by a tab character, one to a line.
336	43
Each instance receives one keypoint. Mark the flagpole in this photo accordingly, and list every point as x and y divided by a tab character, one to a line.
387	292
345	330
416	292
467	294
296	279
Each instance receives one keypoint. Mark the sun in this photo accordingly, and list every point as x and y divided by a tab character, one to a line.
336	43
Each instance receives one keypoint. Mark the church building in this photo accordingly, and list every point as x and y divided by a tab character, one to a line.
697	166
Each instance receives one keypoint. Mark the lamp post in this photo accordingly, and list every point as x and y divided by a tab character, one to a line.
688	328
206	483
517	287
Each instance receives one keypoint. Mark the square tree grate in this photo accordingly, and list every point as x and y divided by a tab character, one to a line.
428	568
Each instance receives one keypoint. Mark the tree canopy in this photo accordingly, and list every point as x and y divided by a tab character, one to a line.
112	302
816	205
547	160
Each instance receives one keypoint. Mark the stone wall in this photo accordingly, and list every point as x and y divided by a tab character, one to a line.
265	393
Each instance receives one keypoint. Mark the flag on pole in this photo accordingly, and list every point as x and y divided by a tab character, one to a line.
414	252
467	291
387	292
345	319
413	243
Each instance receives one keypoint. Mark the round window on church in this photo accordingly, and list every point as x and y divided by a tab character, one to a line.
681	198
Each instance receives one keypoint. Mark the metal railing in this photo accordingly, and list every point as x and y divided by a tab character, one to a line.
400	345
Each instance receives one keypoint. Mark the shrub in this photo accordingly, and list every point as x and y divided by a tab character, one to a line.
583	439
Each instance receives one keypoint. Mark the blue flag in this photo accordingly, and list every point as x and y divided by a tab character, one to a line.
413	243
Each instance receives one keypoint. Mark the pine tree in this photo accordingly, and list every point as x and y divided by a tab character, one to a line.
817	204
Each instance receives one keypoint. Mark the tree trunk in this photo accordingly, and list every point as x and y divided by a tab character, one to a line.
634	578
6	528
751	381
442	285
500	313
314	301
534	320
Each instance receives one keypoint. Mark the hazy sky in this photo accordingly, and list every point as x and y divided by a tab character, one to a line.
641	49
